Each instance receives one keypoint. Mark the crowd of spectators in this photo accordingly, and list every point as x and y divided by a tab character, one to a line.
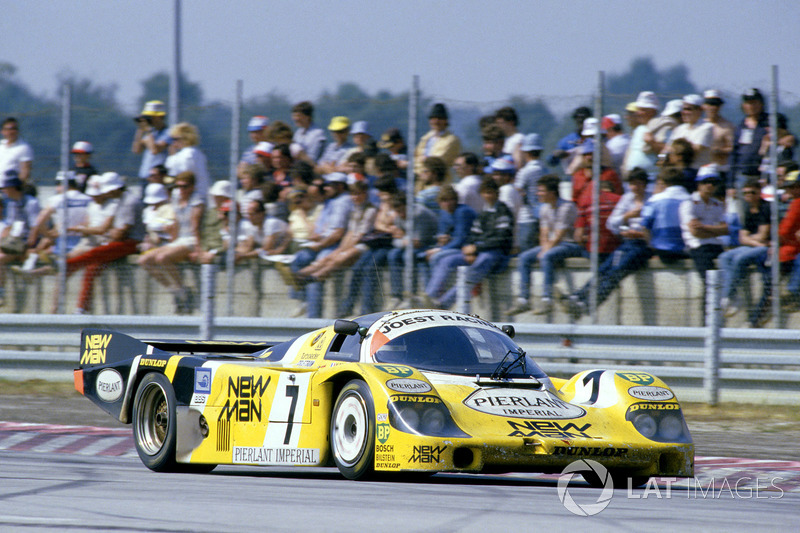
679	182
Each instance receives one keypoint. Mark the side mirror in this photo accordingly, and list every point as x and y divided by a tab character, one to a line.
348	327
508	330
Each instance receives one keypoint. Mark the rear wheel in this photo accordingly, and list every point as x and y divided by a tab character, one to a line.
154	423
353	431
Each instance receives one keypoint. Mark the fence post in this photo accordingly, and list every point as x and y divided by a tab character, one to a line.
712	310
66	113
462	290
208	277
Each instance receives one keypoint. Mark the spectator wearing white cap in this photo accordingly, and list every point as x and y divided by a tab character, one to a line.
641	153
15	153
526	182
162	262
590	128
20	212
257	131
187	157
122	232
158	216
693	129
703	224
566	149
152	136
364	143
617	140
310	136
503	172
82	166
46	232
722	131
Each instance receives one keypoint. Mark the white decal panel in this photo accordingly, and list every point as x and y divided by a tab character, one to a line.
109	385
408	385
650	392
286	412
275	456
521	403
596	388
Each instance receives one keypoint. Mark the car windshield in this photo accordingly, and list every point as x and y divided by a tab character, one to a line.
458	350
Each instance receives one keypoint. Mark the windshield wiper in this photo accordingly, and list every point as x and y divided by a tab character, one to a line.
506	365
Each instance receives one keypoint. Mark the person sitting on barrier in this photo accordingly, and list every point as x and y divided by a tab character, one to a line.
361	222
486	252
20	212
423	238
120	235
754	244
632	255
454	227
556	243
366	271
46	233
261	232
703	223
789	251
661	220
162	262
158	217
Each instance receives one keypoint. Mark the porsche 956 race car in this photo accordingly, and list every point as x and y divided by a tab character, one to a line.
405	391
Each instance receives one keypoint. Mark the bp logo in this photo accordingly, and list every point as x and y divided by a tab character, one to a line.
593	469
396	370
383	432
639	378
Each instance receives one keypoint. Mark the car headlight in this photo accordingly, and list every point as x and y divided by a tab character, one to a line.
661	422
423	415
646	425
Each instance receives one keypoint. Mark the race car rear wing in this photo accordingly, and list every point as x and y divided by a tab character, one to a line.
217	347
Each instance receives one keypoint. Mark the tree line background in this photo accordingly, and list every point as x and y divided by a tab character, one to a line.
98	117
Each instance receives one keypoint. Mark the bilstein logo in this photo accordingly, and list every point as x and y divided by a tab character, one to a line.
94	349
585	467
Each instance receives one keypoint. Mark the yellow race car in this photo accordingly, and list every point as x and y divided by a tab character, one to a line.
406	391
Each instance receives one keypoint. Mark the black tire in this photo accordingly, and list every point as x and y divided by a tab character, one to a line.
154	424
352	431
620	480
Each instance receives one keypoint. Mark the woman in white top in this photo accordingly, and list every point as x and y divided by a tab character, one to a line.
162	262
186	157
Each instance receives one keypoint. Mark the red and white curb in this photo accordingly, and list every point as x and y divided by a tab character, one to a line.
79	440
719	473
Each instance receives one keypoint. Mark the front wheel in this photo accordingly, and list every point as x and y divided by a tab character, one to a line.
353	431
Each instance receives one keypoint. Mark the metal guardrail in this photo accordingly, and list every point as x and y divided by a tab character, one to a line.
754	365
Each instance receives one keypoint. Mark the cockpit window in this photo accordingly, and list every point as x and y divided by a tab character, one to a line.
456	350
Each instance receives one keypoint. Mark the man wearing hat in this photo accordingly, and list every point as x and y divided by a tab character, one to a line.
526	182
257	131
123	231
15	154
392	141
81	155
722	131
308	135
747	136
439	141
19	216
566	149
703	224
617	140
152	136
47	230
334	153
694	130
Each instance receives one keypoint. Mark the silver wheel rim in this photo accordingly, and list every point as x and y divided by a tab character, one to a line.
350	429
152	423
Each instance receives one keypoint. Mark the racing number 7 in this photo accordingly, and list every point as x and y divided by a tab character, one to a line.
292	391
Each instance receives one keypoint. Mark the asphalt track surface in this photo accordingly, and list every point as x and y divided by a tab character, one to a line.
82	478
